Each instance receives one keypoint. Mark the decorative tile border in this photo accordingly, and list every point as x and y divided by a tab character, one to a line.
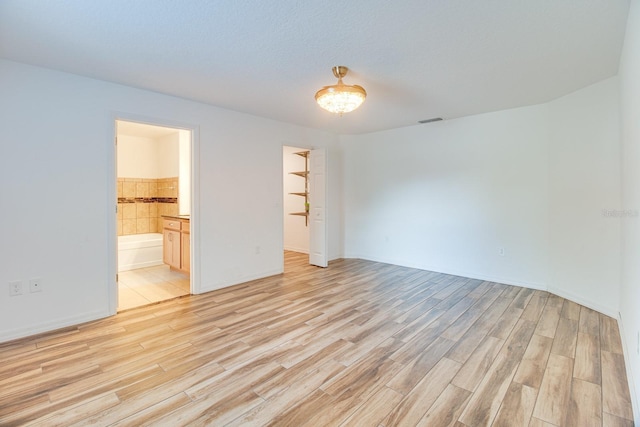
148	200
143	201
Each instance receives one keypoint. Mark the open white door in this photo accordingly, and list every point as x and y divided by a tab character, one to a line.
318	208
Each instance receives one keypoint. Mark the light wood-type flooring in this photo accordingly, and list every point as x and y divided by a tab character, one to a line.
357	344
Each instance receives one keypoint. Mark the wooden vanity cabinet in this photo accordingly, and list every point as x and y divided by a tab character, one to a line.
176	244
185	246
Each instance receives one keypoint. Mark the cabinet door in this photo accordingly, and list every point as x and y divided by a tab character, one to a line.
186	252
171	253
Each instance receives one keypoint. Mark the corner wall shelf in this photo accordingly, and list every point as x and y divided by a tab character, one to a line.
303	174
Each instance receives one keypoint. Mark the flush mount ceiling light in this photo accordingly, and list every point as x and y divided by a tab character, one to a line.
340	98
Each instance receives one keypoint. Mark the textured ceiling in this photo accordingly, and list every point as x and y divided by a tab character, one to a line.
417	59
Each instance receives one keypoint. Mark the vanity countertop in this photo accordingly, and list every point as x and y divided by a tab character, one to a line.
182	217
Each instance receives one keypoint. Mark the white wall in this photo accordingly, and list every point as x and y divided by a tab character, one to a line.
143	157
296	233
534	181
630	290
584	181
168	155
65	127
137	157
184	182
446	196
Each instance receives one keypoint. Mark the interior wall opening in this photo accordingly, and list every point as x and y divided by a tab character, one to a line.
295	169
153	170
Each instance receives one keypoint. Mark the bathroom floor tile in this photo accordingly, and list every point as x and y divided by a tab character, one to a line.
150	285
128	298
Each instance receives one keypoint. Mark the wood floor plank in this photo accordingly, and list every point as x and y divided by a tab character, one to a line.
486	400
507	321
309	362
616	399
517	406
476	367
531	369
415	370
555	390
585	405
148	414
564	341
446	409
523	297
536	305
377	366
288	397
374	410
549	318
134	405
610	335
536	422
358	343
78	413
415	405
609	420
589	321
587	365
466	345
570	310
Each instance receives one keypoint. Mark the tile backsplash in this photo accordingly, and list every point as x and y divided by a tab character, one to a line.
141	202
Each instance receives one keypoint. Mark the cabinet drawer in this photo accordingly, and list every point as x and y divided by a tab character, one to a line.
186	227
172	224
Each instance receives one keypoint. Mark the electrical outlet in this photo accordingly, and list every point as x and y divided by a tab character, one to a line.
258	250
501	251
15	288
638	345
35	285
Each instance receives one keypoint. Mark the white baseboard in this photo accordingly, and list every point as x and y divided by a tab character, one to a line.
137	265
608	311
244	279
454	272
52	326
626	348
294	249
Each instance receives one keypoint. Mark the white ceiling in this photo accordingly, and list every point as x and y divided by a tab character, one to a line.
417	59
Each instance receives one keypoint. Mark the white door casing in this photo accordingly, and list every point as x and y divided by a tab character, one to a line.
318	208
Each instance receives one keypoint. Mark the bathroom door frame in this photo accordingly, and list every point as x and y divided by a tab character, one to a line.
112	197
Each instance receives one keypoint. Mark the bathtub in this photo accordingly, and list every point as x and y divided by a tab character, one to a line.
139	251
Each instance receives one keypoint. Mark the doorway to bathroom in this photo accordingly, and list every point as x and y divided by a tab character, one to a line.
153	170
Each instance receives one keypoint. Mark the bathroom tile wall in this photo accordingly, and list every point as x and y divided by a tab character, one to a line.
141	202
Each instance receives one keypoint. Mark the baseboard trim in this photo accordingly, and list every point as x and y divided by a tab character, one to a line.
299	250
241	280
67	322
630	379
582	301
454	272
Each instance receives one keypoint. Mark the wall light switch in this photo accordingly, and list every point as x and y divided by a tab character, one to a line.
35	285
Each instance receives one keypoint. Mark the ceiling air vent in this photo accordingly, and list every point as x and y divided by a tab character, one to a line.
435	119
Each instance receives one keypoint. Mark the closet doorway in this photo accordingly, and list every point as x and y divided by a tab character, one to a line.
153	181
304	204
